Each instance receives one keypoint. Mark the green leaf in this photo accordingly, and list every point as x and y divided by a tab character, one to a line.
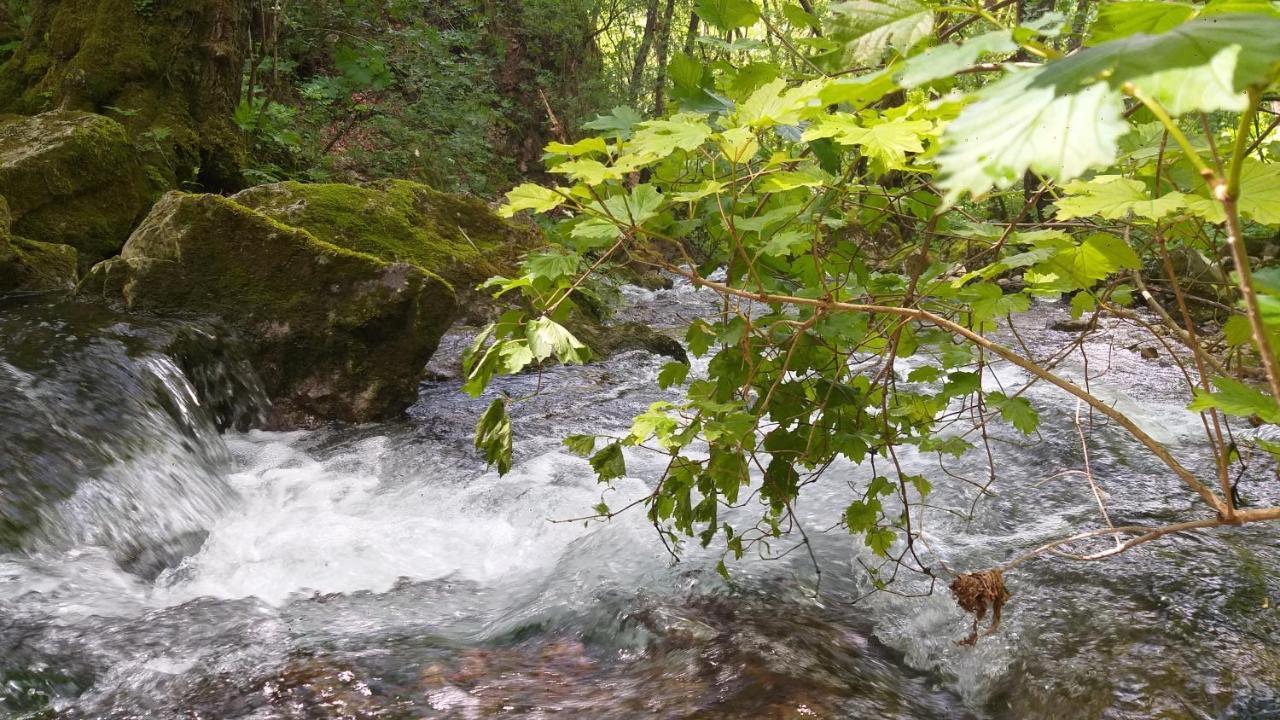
660	138
776	104
1065	117
1122	19
1081	303
515	355
493	436
880	540
591	172
728	14
609	463
551	265
618	123
783	181
1078	268
547	337
1235	398
581	445
699	337
586	146
1112	197
1260	192
870	27
672	374
1102	254
945	60
924	373
798	17
1015	411
787	243
739	145
1237	331
861	515
886	141
961	382
530	197
1017	125
707	189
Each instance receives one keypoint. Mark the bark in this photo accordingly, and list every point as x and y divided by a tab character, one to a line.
691	37
642	53
664	43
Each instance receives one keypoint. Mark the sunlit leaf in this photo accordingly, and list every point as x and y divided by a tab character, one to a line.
729	14
1065	117
531	197
870	27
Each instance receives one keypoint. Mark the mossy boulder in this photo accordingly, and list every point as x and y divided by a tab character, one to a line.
333	333
30	266
72	178
170	70
455	236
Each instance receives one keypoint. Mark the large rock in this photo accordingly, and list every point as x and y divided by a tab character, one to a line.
30	266
169	70
72	178
455	236
334	333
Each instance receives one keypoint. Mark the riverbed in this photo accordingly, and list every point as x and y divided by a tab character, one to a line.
169	570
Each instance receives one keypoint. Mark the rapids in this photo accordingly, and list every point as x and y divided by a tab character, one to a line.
158	567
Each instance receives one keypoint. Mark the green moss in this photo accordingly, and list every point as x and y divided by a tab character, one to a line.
333	332
454	236
72	178
29	266
176	73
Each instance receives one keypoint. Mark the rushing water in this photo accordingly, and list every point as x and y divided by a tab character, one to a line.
160	569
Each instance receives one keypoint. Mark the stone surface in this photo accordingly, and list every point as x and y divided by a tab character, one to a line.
30	266
72	178
335	334
169	70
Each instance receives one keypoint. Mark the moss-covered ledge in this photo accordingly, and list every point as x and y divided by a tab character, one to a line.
31	266
455	236
72	178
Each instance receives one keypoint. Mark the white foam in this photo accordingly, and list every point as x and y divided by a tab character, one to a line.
331	527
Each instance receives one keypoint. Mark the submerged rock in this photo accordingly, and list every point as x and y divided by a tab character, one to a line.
30	266
333	333
605	340
72	178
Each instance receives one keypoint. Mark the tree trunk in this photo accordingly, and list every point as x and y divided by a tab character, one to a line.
642	53
664	42
691	38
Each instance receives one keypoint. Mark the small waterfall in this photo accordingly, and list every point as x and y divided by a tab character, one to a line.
110	432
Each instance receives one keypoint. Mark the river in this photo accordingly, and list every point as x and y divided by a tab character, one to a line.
160	568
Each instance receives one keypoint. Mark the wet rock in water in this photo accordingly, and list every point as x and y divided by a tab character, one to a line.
335	334
606	340
72	178
30	266
1072	325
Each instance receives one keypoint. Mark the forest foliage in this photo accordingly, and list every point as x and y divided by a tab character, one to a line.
876	189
